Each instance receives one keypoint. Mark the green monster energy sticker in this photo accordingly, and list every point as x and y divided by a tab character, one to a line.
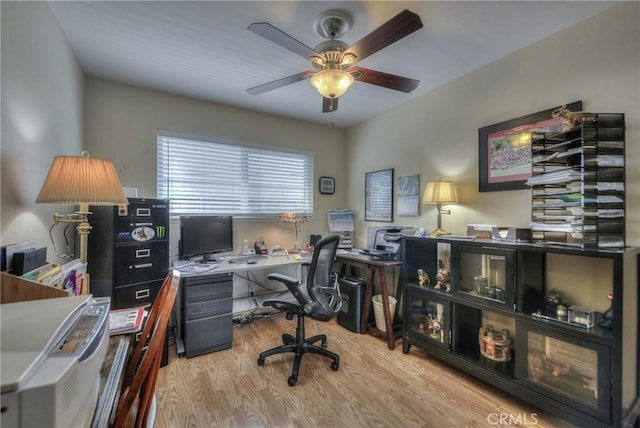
160	230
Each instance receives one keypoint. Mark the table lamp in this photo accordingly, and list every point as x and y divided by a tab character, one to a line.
81	180
440	193
295	218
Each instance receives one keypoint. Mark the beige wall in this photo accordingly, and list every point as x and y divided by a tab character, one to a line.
41	116
122	121
436	135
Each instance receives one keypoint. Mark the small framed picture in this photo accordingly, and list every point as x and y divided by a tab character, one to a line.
327	185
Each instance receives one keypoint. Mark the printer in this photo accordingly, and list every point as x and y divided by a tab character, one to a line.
52	352
383	243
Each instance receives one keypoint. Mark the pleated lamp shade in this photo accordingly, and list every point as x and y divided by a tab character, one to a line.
73	180
440	192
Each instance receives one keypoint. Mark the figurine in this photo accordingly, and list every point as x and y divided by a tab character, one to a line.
554	298
443	277
561	312
423	278
568	118
494	345
607	316
434	326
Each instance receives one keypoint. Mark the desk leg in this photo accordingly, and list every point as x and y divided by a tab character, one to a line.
367	300
388	316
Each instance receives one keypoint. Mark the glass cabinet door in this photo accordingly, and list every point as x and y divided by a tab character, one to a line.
427	317
484	275
569	368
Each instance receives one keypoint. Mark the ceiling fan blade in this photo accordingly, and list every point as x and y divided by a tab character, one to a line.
329	104
386	80
275	84
281	38
401	25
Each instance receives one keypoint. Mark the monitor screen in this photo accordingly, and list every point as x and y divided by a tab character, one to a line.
202	235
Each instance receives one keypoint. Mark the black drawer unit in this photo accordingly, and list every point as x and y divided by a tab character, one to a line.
205	320
129	251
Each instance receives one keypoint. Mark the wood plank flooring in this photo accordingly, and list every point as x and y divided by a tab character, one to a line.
374	387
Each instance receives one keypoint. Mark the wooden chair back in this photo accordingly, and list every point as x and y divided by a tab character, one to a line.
140	377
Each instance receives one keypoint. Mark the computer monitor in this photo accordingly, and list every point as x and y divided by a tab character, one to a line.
205	235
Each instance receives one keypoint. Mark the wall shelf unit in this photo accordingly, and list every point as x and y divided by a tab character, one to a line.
585	375
578	183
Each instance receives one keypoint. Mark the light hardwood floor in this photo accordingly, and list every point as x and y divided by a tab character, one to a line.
374	387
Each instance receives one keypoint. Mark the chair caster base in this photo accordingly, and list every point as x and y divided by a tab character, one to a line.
292	380
261	362
335	366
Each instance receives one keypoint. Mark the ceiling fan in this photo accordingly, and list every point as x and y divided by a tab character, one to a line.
333	60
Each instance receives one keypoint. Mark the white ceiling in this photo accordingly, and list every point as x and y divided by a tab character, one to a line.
204	50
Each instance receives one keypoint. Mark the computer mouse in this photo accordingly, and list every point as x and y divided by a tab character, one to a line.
252	261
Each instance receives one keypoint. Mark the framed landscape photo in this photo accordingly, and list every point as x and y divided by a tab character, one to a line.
327	185
505	149
378	195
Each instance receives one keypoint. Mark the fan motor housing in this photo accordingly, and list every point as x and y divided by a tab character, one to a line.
333	24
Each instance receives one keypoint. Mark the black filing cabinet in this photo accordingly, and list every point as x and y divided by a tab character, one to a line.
205	320
128	251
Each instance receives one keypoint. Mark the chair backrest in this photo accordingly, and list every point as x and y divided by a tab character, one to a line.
140	377
321	281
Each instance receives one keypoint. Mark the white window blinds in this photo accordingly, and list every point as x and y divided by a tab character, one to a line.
214	176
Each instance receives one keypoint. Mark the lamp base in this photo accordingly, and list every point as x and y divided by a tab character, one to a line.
295	249
439	232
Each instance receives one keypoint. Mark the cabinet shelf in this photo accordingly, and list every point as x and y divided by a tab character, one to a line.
506	369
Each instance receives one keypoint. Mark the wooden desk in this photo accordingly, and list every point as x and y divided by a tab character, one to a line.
382	267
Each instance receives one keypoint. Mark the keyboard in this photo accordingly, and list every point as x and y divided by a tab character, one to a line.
244	259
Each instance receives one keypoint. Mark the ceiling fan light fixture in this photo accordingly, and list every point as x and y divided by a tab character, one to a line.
332	83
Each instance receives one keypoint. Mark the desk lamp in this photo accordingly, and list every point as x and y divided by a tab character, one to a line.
81	180
295	218
439	193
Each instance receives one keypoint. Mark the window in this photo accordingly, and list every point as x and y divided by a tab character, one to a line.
214	176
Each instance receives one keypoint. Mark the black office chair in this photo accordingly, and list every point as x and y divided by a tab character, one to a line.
318	298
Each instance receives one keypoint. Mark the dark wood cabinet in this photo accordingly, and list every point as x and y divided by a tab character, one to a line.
581	374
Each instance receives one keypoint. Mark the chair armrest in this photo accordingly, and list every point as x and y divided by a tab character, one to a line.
285	279
294	286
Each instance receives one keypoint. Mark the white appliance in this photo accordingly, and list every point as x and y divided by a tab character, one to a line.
52	352
384	242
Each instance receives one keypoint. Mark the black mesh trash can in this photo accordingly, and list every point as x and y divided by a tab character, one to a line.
352	292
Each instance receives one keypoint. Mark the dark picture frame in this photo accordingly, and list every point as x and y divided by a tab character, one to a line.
378	195
505	149
327	185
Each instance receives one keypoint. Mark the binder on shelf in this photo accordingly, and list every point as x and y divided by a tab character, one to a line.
11	249
28	260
